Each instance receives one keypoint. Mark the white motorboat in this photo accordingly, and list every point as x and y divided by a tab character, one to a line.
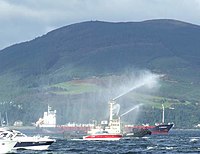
6	143
28	142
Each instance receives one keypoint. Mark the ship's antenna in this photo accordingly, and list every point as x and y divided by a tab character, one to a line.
163	114
0	119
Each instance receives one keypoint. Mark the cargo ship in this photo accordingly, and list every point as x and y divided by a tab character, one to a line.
48	125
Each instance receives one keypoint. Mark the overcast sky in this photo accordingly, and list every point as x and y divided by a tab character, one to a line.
23	20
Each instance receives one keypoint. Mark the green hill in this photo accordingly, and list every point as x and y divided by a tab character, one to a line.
43	70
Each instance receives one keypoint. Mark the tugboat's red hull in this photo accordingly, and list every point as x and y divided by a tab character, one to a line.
103	137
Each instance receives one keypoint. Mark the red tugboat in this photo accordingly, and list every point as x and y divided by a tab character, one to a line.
112	131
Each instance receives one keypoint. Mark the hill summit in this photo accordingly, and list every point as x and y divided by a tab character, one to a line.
96	47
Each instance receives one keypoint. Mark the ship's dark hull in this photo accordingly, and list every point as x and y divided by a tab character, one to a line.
157	129
161	129
137	132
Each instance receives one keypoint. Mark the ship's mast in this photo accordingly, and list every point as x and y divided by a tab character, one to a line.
163	114
49	109
111	103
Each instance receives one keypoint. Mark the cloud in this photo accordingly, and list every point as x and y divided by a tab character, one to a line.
24	20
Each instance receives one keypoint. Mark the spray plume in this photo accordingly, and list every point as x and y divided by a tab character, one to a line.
135	107
148	79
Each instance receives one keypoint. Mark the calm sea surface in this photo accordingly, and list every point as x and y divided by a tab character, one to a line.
177	141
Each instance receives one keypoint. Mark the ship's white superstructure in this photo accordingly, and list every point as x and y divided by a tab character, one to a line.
48	120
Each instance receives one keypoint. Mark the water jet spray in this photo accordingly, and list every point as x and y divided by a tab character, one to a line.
149	81
135	107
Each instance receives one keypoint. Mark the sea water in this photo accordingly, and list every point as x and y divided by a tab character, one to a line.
177	141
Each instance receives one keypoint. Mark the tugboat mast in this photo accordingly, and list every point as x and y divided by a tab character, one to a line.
111	103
